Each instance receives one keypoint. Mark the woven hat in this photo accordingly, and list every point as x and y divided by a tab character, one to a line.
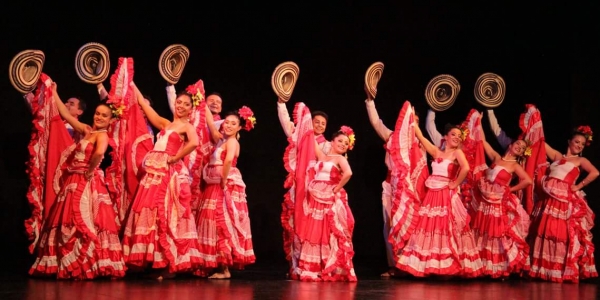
284	79
92	63
441	92
490	90
172	62
372	77
25	70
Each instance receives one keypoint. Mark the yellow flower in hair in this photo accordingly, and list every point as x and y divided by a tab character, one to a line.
117	111
464	133
252	120
351	139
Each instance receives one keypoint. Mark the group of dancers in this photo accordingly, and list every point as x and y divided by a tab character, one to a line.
177	203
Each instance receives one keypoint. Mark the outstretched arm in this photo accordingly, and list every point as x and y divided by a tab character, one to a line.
524	179
102	91
489	151
464	169
346	174
429	147
434	134
231	147
171	96
284	118
215	135
552	154
501	136
157	121
383	132
64	112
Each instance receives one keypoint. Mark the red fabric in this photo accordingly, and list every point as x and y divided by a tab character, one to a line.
472	147
535	165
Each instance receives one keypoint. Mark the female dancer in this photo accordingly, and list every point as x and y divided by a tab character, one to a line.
498	220
80	236
559	236
223	222
442	242
160	232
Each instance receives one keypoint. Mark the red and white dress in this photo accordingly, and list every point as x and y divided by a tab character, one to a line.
324	235
160	231
442	242
559	236
499	224
79	239
223	222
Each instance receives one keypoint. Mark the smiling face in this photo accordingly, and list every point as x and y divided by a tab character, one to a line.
576	144
102	117
183	106
453	137
319	124
340	143
231	126
72	105
517	148
214	103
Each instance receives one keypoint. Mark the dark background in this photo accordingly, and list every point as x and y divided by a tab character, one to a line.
547	55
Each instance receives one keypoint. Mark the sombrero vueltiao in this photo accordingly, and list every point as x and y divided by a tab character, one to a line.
490	90
172	62
372	77
284	79
25	70
92	63
441	92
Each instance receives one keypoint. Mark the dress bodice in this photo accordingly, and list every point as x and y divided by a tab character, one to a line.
564	170
168	141
219	154
79	159
444	167
327	171
498	174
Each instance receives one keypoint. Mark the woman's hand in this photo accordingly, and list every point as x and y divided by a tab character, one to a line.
88	175
576	187
452	185
172	160
223	183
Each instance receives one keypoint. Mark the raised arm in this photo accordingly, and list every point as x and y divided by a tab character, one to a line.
171	96
231	147
190	145
429	147
524	179
434	134
552	154
284	118
587	166
102	93
99	150
215	135
489	151
64	112
383	132
464	169
501	136
318	152
346	174
157	121
29	98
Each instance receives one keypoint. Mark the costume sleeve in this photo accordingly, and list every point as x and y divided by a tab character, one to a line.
284	118
501	136
102	91
434	134
376	122
171	96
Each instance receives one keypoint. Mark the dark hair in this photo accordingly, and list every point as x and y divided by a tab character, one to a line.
320	113
336	134
184	93
82	105
237	115
449	127
108	106
214	93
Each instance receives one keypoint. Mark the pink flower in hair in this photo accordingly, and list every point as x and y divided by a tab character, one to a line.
246	113
351	137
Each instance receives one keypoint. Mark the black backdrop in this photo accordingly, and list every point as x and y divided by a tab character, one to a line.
546	54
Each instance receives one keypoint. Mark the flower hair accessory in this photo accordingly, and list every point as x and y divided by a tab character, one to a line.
351	137
246	113
117	109
197	92
587	132
528	148
464	132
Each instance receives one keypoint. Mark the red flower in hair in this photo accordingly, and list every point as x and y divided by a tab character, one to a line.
351	137
246	113
197	92
587	132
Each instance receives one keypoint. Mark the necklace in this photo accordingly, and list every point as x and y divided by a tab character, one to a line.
504	159
569	156
101	130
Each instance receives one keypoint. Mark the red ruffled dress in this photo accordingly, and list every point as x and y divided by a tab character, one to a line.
324	238
559	236
442	242
499	224
79	238
160	231
223	222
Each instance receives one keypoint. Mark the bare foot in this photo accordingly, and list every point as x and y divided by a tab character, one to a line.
224	275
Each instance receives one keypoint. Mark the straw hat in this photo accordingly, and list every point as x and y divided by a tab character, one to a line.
490	90
25	70
172	62
92	63
284	79
441	92
372	77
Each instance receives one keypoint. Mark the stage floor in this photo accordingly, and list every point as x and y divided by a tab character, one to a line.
269	283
